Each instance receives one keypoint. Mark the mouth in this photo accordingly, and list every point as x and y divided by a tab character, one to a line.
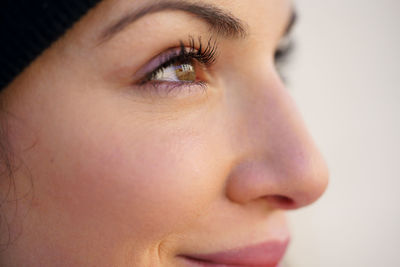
268	254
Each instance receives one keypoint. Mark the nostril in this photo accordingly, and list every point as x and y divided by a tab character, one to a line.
281	202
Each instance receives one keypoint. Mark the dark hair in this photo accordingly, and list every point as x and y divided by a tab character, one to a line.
9	165
6	176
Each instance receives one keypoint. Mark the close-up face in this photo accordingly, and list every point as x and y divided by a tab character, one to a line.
158	133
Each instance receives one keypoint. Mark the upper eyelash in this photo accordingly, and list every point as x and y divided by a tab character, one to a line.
206	55
282	55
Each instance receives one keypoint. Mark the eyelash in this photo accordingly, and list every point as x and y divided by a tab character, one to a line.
205	55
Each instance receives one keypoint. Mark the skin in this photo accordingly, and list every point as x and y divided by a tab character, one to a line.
113	175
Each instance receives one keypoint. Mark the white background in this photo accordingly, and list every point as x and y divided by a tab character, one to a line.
345	78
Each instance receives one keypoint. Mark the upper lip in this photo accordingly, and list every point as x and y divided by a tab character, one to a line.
267	254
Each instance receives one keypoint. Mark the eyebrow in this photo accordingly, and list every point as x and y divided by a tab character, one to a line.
220	21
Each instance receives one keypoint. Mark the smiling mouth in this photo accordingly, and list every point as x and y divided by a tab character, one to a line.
268	254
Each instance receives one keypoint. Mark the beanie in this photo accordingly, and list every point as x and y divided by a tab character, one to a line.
28	27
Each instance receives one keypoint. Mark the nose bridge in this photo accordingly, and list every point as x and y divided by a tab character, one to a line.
290	169
273	123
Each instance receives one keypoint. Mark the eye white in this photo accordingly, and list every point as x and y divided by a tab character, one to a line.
176	73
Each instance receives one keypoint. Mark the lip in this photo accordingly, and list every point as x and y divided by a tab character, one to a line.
267	254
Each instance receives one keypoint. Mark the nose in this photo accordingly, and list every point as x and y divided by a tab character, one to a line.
280	165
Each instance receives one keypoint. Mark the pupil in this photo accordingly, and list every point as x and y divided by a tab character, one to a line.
185	72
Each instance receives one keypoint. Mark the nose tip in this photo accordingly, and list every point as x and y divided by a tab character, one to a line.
291	186
309	181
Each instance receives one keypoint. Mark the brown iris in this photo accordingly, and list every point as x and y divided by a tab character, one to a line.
185	72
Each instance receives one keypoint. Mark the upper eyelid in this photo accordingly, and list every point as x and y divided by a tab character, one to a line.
155	62
163	64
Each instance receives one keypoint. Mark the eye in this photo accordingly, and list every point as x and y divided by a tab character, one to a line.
283	55
184	66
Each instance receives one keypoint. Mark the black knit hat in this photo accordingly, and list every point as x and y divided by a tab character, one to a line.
28	27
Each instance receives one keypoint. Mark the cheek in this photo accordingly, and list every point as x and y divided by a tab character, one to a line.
106	182
143	189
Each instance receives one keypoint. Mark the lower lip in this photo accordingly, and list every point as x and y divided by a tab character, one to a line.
196	263
263	255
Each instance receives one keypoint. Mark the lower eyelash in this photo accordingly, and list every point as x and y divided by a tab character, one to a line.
170	89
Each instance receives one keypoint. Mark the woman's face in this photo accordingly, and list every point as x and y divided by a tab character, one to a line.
136	147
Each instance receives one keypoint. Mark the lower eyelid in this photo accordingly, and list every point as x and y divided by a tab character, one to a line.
167	89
